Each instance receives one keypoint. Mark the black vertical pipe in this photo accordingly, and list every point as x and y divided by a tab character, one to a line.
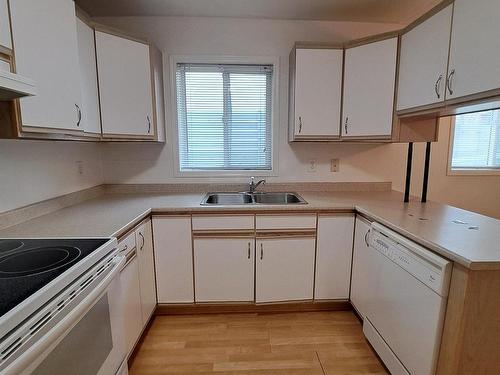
426	171
408	172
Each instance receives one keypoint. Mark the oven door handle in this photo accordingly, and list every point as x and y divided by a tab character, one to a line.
66	323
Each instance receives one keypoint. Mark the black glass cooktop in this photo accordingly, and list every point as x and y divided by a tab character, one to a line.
27	265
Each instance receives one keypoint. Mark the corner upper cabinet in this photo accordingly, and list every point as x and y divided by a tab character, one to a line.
126	87
46	50
424	61
474	65
369	84
315	93
91	115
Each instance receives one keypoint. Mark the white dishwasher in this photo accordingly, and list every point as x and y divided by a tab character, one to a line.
408	294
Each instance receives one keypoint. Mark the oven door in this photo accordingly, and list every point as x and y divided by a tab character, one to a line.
87	340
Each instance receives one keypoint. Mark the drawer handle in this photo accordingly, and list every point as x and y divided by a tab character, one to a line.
346	123
261	252
149	124
125	248
366	238
300	124
249	250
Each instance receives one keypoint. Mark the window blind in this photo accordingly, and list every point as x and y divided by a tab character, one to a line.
476	141
224	116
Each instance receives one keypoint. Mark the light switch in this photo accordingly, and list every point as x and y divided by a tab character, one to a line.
334	165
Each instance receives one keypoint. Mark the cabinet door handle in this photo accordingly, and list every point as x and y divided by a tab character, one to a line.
300	124
79	114
261	252
449	81
366	238
149	124
143	241
437	86
249	250
346	123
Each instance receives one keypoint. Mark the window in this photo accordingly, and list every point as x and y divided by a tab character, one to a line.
476	141
224	116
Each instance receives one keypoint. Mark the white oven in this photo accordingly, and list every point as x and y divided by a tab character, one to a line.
77	332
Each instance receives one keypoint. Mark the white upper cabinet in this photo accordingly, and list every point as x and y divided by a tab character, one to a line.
316	92
423	62
224	269
46	50
369	82
5	38
91	117
333	256
125	86
474	55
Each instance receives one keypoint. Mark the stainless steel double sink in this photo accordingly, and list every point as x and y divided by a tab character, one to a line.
214	199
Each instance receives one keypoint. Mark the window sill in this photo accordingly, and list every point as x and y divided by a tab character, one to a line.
474	172
225	174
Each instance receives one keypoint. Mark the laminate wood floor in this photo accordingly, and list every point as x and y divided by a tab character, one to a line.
323	343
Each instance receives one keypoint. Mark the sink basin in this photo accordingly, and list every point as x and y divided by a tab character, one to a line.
249	199
278	198
227	198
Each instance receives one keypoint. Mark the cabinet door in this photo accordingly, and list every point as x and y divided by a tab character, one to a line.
5	38
131	301
318	92
423	62
124	86
360	266
173	259
144	240
369	82
46	48
285	269
91	117
333	257
224	269
474	54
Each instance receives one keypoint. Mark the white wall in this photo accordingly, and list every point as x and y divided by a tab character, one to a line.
142	163
31	171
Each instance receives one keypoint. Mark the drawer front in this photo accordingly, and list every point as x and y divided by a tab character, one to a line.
127	244
303	221
223	222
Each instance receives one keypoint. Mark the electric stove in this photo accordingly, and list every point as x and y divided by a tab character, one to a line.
32	271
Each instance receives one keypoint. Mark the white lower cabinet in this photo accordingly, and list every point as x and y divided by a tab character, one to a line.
224	269
360	262
173	259
333	258
284	269
144	240
131	300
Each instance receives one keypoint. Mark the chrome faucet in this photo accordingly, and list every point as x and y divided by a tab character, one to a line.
252	186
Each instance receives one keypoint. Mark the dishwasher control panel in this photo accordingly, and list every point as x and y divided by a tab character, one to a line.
424	265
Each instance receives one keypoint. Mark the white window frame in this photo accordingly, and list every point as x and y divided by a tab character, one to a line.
275	111
465	171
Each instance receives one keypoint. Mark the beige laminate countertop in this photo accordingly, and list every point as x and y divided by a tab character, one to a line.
467	238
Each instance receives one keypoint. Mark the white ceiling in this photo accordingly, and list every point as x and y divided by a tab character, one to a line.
390	11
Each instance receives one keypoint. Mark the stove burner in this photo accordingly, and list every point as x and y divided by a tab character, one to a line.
37	260
10	245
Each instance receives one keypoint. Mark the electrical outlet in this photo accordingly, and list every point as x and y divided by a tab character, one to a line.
311	166
79	167
334	165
